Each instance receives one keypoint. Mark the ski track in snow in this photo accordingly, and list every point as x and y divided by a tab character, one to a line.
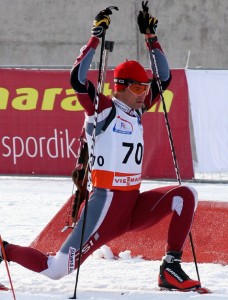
28	203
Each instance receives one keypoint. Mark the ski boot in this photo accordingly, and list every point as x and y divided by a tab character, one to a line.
171	275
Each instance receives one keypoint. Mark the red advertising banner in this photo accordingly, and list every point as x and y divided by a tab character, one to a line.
41	121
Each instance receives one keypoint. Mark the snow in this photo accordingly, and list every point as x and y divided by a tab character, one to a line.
28	203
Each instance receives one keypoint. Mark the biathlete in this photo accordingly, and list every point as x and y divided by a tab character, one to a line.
116	205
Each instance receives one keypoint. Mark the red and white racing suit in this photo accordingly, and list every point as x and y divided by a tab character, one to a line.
115	205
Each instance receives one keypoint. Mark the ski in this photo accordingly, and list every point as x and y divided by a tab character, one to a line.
203	290
199	290
3	287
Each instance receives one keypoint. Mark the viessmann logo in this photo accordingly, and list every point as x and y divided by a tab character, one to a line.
30	98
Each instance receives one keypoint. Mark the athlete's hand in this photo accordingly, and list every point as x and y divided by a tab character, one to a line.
146	22
101	22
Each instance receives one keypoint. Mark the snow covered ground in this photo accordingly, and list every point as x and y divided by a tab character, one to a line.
27	204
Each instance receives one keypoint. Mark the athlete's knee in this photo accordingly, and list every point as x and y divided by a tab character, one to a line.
57	266
191	193
186	197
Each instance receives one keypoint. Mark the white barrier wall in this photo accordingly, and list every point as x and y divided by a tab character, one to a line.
208	94
51	32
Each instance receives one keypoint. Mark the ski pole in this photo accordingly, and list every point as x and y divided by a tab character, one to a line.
159	84
100	85
7	268
154	63
101	71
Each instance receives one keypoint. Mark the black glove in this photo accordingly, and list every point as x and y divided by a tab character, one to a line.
147	23
101	22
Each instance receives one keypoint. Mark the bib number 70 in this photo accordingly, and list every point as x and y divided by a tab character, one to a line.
136	150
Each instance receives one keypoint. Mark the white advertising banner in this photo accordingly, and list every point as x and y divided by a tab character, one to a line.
208	94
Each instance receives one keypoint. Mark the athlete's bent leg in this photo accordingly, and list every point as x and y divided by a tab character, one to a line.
103	207
154	205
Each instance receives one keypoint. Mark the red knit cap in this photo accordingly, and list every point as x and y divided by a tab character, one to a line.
131	70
